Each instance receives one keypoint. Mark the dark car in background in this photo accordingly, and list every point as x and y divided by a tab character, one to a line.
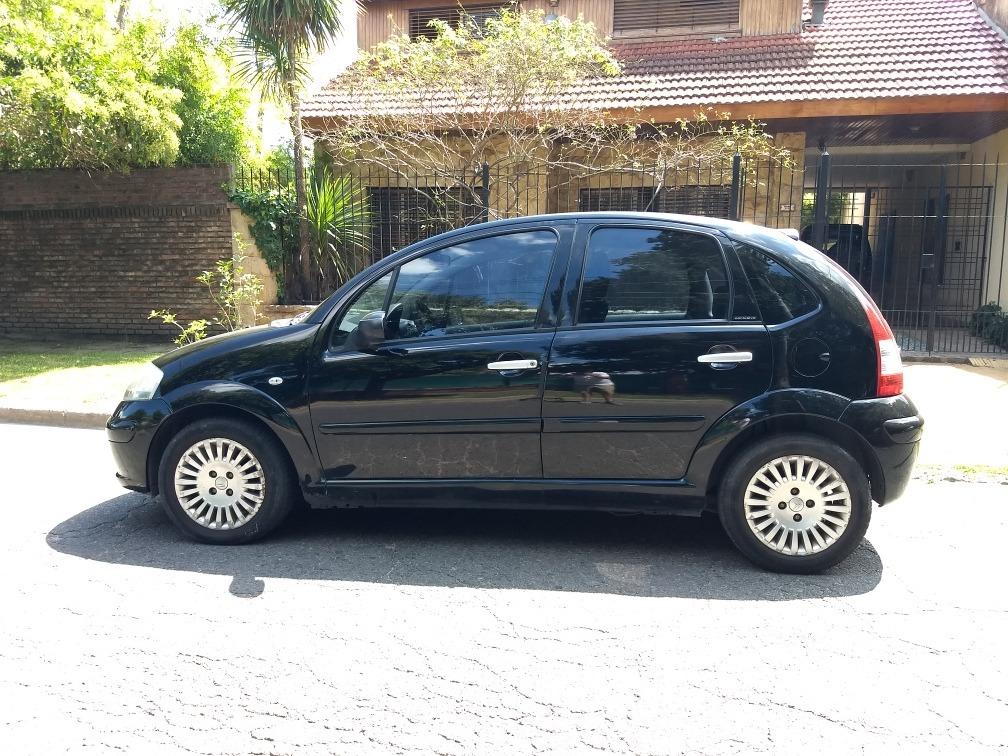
846	244
623	362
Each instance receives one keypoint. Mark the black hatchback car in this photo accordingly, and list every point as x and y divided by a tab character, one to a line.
623	362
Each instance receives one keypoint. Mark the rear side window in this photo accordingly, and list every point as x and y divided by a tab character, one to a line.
780	293
634	274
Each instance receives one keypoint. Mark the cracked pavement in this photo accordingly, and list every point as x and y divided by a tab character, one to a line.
387	632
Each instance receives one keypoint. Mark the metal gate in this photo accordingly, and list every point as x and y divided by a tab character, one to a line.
921	238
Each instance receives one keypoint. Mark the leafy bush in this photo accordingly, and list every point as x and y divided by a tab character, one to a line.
339	216
274	225
337	211
212	107
231	289
990	322
75	92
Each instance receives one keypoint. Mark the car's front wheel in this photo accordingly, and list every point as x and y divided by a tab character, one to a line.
795	503
225	481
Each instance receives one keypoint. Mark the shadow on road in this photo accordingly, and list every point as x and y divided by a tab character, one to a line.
553	551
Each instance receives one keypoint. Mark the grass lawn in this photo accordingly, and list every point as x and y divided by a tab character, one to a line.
23	360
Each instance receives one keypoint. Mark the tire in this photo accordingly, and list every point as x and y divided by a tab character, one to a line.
258	487
833	498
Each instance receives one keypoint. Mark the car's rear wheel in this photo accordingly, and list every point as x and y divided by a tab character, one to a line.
225	481
795	503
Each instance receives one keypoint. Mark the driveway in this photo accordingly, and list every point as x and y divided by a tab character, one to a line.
388	632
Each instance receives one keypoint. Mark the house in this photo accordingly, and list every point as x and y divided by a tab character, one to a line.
909	98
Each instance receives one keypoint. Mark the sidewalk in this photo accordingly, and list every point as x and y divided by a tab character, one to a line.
77	397
966	413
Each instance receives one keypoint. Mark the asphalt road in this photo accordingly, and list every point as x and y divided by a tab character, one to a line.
390	632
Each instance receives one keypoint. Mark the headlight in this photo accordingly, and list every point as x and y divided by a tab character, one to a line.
145	383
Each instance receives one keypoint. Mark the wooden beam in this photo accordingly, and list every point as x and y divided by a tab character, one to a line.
825	108
795	109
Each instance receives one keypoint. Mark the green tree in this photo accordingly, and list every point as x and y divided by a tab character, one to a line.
77	91
282	35
213	107
74	92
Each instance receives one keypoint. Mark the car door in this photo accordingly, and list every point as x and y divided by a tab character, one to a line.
635	375
455	390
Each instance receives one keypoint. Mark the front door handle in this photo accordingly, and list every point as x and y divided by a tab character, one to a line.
513	365
392	351
725	358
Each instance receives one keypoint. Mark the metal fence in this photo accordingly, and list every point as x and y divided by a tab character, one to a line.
924	238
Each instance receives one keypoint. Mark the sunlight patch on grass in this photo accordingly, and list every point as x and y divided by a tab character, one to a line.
28	362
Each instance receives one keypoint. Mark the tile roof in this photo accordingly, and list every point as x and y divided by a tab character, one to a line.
864	49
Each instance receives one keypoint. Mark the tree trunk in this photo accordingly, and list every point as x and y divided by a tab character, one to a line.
121	15
260	104
304	267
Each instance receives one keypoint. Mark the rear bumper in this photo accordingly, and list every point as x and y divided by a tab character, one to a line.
892	428
130	432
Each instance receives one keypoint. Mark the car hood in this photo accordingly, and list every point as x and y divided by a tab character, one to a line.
218	357
214	345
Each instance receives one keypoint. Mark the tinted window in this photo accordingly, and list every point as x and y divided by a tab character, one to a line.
371	299
780	293
488	284
652	274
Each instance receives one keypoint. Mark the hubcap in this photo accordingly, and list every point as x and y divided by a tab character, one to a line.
797	505
219	483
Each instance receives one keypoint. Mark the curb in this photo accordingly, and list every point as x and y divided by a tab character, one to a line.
993	361
54	418
935	359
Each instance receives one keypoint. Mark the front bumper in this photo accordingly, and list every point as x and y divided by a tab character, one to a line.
130	432
892	427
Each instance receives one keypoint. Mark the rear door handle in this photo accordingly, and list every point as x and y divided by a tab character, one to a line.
513	365
723	358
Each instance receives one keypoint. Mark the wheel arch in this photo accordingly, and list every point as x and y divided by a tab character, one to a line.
286	434
813	425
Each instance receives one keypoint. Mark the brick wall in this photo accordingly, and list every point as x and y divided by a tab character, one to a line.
93	254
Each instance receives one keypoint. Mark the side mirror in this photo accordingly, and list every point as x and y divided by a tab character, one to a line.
370	331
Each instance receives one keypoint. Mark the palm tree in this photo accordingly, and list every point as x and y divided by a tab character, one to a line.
280	36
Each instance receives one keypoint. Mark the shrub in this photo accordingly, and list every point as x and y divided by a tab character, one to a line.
274	225
232	291
990	322
339	217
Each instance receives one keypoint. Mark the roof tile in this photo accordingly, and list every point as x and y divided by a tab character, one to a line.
864	49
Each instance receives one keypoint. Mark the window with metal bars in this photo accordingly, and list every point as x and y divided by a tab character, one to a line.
675	16
420	18
712	201
403	215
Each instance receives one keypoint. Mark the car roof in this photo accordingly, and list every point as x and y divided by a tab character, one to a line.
603	215
736	229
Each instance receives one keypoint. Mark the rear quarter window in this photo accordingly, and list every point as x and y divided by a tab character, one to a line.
780	294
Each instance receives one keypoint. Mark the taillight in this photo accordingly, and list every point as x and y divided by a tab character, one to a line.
889	364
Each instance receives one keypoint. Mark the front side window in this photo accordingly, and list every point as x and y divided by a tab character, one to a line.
489	284
780	293
637	274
